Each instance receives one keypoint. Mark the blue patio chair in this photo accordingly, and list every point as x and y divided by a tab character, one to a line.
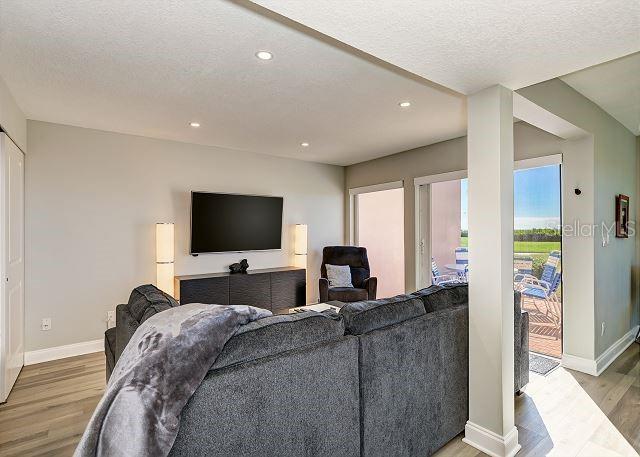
545	288
524	265
462	258
439	279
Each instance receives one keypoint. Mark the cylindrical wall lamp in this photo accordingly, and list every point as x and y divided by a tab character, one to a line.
300	248
165	257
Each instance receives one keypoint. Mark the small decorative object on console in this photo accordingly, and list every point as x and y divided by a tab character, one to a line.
241	267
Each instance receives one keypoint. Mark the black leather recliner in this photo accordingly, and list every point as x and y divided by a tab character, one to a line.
364	286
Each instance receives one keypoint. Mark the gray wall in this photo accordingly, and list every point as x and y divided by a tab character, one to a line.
615	172
529	142
12	119
92	201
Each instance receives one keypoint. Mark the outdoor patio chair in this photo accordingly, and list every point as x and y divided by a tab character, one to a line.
462	258
440	279
545	288
524	265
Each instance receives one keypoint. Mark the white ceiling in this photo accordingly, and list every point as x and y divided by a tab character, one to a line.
150	67
468	45
615	87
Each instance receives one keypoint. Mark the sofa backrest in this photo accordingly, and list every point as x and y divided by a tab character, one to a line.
277	334
436	298
304	401
368	315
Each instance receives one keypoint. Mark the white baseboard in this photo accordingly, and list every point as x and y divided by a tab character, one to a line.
597	366
614	351
61	352
581	364
491	443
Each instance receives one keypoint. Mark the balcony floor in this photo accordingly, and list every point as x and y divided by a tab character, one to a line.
545	336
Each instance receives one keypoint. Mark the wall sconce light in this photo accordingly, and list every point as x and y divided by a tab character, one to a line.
165	257
300	248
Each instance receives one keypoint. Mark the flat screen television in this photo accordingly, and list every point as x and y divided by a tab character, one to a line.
232	222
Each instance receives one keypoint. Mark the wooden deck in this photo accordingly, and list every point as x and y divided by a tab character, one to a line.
545	334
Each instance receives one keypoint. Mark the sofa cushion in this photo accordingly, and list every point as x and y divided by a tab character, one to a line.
347	294
147	300
365	316
280	333
436	298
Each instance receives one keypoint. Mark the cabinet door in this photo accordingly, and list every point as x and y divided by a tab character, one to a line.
250	289
214	291
288	289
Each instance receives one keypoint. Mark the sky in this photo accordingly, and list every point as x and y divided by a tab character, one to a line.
536	195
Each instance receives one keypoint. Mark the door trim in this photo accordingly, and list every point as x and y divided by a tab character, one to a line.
537	162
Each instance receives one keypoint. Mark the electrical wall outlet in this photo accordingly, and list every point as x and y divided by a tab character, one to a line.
46	324
111	318
603	328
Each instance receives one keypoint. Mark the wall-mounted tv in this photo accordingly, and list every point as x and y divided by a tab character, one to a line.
232	222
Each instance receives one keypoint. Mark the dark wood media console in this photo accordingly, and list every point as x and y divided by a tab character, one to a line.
275	289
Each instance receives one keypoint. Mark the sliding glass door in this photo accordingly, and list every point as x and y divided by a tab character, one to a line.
537	251
379	227
442	248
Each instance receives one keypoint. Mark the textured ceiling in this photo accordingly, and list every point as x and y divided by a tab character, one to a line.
468	45
615	86
150	67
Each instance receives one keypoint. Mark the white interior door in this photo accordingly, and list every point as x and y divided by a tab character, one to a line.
12	242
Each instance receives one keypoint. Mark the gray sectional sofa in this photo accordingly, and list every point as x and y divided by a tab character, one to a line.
382	377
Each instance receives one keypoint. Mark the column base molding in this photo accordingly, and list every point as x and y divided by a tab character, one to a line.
491	443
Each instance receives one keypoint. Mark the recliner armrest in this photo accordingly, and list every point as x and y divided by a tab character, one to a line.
323	284
371	284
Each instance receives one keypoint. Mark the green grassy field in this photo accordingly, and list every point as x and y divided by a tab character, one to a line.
527	246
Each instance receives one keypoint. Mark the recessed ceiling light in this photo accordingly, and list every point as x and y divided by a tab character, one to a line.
264	55
195	125
404	104
304	145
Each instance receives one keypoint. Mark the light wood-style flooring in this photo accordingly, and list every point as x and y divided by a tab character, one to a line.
568	413
563	414
50	406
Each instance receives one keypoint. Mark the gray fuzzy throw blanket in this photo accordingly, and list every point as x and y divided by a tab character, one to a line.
165	361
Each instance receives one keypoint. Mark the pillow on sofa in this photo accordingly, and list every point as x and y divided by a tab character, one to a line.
364	316
339	275
436	298
279	333
147	300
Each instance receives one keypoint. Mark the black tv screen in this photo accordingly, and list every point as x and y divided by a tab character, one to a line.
231	222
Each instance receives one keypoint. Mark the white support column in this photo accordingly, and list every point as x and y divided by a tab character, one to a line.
491	426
